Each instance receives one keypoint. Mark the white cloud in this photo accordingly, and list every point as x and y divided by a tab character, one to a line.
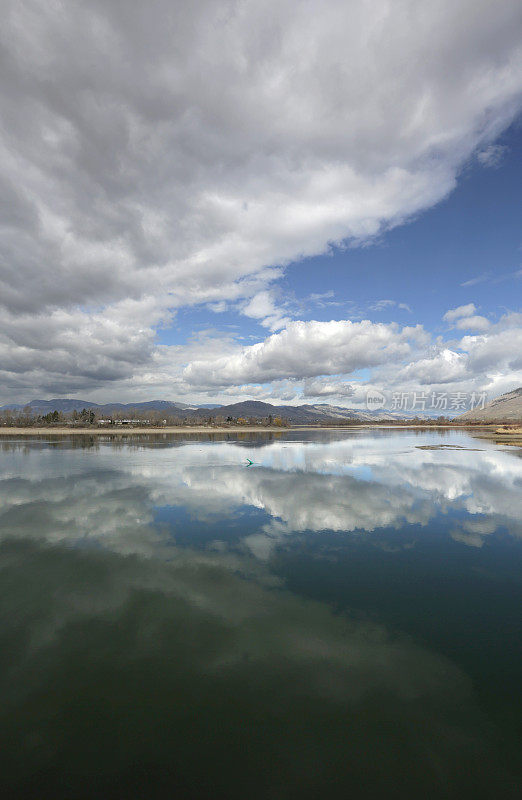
217	308
500	352
381	305
327	387
488	361
473	323
264	307
465	318
309	349
485	276
459	312
444	367
312	361
493	278
492	155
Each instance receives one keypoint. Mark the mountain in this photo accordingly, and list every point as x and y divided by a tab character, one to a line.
297	415
44	406
67	405
506	408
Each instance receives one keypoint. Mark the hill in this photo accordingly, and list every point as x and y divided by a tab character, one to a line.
506	408
306	414
296	415
66	406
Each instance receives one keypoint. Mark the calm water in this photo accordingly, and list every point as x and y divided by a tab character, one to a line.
340	619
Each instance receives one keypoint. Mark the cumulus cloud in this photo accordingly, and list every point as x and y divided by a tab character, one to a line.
443	367
326	387
465	318
501	351
319	361
473	323
170	155
460	312
309	349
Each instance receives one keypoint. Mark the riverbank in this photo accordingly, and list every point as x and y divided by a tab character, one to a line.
182	430
127	430
501	435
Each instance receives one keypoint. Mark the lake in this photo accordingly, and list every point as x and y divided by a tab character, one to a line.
312	614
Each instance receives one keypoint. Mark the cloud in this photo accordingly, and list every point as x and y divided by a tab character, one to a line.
485	276
180	639
309	349
322	298
443	367
114	507
325	387
380	305
459	312
164	156
488	361
492	155
501	352
109	596
490	278
464	318
321	364
264	307
475	322
217	308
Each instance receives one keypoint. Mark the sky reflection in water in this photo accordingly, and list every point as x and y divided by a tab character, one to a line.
343	616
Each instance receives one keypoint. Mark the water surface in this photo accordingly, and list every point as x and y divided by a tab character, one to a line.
341	618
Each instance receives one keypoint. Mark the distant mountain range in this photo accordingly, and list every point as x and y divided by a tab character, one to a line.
297	415
506	408
66	406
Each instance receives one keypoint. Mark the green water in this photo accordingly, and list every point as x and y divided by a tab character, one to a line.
341	618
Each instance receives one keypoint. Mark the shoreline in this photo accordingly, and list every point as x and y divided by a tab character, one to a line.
183	430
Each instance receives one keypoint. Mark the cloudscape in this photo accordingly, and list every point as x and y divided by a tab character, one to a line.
297	202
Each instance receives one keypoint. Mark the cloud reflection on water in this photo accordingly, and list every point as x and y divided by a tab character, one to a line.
353	484
170	665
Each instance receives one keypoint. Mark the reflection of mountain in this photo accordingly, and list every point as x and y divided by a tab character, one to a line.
134	678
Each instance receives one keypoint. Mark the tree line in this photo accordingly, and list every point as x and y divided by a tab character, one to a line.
90	418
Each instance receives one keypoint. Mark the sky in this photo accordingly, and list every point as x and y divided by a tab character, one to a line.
292	201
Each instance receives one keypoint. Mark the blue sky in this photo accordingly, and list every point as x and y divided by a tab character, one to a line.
276	200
